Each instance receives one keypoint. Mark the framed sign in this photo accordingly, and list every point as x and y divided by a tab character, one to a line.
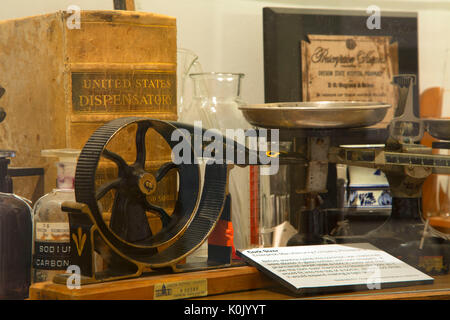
346	52
349	68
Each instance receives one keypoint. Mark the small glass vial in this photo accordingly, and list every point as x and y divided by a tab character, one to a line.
51	251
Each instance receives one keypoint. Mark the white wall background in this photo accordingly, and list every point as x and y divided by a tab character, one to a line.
227	34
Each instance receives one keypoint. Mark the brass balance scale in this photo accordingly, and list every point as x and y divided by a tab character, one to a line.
326	131
130	248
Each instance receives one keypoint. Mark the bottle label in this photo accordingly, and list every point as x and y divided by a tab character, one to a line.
51	255
54	231
52	246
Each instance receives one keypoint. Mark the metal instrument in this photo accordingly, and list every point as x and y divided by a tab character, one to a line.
331	137
315	115
128	244
438	128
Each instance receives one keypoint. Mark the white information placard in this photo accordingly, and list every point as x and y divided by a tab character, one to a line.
358	266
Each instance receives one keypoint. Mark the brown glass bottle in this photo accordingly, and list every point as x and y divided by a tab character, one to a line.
15	247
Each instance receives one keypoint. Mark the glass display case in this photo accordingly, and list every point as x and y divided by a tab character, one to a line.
344	183
377	175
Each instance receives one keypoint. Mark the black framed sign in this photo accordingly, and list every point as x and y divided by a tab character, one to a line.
312	55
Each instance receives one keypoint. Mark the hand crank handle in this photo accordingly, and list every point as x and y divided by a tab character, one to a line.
231	151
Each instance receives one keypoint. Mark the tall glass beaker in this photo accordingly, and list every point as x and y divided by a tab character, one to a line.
215	102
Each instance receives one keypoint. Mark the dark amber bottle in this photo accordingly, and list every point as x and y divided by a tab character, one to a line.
15	247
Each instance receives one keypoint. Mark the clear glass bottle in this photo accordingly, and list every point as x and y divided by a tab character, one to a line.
51	250
215	103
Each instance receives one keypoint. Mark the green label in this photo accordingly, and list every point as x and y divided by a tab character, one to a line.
124	92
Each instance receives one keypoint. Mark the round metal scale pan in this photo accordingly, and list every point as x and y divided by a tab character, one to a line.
438	128
323	114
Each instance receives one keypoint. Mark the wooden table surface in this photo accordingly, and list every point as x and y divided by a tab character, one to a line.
238	283
439	290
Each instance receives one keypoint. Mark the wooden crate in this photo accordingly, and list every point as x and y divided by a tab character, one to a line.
62	82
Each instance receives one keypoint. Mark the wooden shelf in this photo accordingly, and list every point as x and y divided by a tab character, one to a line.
236	283
219	281
439	290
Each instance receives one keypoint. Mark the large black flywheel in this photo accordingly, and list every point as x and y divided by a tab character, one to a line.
127	197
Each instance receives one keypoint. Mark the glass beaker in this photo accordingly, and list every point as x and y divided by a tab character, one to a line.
187	62
215	102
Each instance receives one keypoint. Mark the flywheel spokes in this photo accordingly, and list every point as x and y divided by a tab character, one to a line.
132	187
126	208
140	144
